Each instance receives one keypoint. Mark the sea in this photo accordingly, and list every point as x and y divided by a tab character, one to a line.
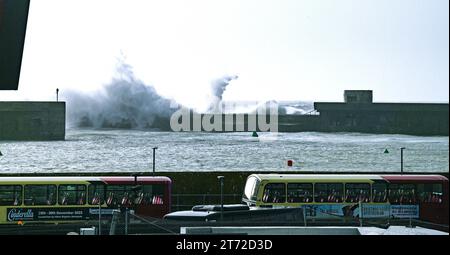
113	150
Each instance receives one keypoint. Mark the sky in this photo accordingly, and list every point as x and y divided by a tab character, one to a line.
281	49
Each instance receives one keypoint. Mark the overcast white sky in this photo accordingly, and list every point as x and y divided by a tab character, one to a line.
281	49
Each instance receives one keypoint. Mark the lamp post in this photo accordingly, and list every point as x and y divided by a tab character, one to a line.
221	179
401	159
57	92
99	217
154	151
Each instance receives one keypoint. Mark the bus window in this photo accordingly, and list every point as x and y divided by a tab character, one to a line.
125	195
72	194
357	192
402	194
119	195
379	192
328	192
300	192
150	194
40	194
430	193
96	194
274	193
10	194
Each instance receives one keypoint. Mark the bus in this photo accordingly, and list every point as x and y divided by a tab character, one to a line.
420	197
66	199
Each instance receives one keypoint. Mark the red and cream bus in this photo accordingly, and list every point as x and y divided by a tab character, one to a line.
61	199
422	197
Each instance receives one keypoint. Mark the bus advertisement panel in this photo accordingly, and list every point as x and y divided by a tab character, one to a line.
368	211
49	214
405	211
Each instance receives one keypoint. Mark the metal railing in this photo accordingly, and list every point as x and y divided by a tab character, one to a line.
126	222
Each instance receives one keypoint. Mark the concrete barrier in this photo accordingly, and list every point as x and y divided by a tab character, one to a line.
32	121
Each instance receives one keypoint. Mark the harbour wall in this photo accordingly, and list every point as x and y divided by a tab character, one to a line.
32	120
390	118
46	120
358	113
384	118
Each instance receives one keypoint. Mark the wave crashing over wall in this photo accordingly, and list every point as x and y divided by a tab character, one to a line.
126	102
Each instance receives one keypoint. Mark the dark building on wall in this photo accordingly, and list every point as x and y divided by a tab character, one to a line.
32	120
358	96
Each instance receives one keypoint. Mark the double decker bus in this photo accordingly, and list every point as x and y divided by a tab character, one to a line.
421	197
69	199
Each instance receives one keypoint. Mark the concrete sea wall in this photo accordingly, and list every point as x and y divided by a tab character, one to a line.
46	120
32	120
384	118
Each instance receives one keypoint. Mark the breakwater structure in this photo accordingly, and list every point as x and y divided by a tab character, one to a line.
32	121
358	113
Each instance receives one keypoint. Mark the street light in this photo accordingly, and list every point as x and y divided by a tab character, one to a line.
221	179
57	92
154	150
401	159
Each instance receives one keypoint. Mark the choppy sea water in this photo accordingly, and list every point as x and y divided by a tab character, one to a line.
131	150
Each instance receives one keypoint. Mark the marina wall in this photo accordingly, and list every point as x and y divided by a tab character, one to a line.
244	122
376	118
32	120
358	113
384	118
46	120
